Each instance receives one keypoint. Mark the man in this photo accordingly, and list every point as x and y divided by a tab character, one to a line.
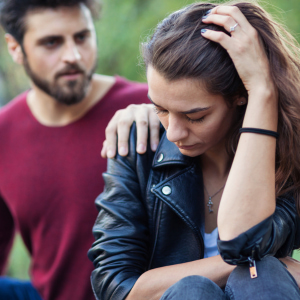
50	137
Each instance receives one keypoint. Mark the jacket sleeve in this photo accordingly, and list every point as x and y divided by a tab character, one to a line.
120	252
278	235
7	231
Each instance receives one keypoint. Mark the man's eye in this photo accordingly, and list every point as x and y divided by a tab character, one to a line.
81	38
51	43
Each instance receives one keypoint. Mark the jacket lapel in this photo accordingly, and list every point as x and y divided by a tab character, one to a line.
182	191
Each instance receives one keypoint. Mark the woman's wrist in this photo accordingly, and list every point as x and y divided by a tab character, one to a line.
264	93
262	109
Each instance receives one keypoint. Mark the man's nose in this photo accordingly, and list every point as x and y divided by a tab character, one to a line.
176	130
71	53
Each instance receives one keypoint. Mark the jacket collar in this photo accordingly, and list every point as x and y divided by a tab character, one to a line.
168	153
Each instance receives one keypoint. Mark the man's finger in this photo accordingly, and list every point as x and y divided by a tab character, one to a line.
142	117
111	138
154	126
123	136
104	150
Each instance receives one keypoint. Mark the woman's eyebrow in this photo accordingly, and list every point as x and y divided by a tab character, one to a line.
195	110
191	111
152	101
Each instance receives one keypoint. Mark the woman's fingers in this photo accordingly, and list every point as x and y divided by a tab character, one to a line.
235	13
225	21
243	46
233	20
219	37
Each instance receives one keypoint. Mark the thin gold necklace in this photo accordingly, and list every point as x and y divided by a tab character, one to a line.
210	203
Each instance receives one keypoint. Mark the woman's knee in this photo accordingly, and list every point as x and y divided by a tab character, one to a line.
268	266
193	288
273	279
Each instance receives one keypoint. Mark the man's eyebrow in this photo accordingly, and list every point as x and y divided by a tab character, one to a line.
191	111
49	37
84	31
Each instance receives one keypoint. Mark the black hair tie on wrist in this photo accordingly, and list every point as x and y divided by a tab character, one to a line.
259	131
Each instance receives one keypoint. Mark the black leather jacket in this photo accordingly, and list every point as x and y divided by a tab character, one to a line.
151	214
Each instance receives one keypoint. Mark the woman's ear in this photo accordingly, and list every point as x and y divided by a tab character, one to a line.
14	49
240	101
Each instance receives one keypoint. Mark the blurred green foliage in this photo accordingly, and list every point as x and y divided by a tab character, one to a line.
124	24
19	260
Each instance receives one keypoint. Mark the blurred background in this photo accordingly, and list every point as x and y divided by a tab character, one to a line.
123	26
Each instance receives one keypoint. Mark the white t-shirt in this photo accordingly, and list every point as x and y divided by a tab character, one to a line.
210	243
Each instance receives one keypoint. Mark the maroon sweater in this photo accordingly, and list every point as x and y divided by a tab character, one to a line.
49	179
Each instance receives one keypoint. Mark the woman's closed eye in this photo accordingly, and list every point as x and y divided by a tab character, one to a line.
199	120
160	111
163	112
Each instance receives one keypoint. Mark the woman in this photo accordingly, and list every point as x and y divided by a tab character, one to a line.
224	85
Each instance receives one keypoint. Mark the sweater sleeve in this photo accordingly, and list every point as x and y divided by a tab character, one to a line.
120	252
278	235
7	230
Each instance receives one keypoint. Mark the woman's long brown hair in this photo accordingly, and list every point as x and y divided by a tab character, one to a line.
178	50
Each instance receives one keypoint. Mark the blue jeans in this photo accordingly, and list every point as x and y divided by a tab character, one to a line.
273	282
13	289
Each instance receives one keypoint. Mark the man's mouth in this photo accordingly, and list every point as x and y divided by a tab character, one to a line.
70	73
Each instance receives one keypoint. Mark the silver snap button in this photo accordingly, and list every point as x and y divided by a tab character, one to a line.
152	189
161	157
166	190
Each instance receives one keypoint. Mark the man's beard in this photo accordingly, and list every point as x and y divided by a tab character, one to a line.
72	92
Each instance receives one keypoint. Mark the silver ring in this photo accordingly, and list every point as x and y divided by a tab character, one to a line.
233	27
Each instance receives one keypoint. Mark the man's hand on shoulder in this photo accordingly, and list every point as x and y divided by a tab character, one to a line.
119	126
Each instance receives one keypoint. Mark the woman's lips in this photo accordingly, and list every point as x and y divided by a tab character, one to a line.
186	147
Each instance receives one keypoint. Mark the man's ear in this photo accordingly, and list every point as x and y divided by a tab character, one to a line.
14	49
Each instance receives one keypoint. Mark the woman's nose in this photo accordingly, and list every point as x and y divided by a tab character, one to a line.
176	129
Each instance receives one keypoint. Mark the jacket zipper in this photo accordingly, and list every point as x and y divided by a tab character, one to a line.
252	267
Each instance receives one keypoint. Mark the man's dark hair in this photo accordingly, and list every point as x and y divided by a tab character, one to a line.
13	12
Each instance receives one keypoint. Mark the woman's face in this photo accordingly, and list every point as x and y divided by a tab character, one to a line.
195	120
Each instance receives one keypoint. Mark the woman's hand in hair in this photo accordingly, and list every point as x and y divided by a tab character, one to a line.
249	195
244	47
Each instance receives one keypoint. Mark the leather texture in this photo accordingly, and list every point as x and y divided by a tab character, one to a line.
144	225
